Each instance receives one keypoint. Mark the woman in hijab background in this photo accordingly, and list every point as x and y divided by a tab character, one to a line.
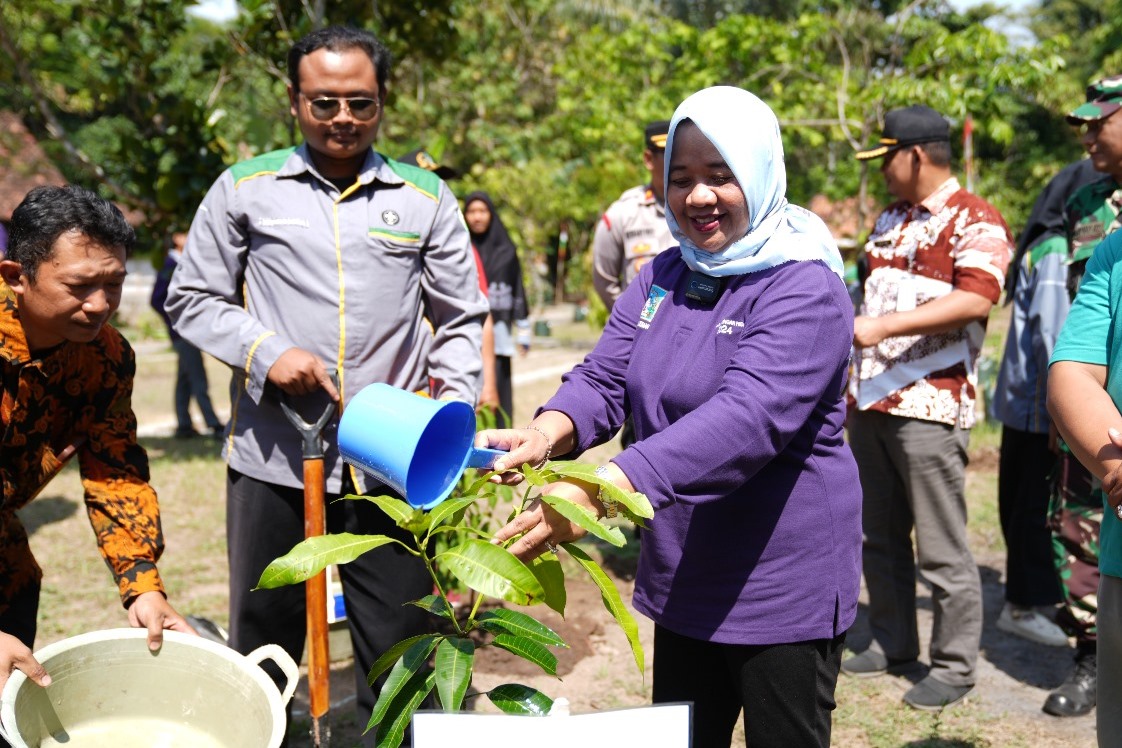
504	291
731	356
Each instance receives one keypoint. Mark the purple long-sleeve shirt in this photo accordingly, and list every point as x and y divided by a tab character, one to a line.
738	409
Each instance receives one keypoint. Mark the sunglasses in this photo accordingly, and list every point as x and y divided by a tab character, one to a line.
326	108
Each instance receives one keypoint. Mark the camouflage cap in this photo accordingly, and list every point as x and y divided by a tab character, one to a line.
1104	98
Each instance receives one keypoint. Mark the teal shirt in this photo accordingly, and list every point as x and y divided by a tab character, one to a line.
1093	335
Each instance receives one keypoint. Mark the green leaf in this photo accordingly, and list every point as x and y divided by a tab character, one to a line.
454	658
446	509
547	568
492	570
534	477
528	649
634	502
403	672
477	485
310	557
391	655
586	519
401	711
417	524
434	604
515	698
399	511
515	622
612	601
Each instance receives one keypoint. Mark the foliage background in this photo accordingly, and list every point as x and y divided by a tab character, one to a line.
543	102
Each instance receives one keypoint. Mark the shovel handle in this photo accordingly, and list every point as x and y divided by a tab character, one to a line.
312	445
316	595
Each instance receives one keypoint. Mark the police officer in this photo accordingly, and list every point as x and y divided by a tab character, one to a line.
633	229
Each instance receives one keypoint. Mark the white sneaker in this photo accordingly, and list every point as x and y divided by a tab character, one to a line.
1028	624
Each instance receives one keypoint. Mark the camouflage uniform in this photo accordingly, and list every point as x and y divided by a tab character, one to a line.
1075	515
1077	499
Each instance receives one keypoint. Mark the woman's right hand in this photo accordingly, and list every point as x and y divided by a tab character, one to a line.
525	446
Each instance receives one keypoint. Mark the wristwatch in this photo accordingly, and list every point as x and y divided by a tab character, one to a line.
611	507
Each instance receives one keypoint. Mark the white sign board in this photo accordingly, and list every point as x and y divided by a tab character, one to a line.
660	726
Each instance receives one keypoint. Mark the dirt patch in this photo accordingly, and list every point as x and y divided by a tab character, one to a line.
579	628
985	459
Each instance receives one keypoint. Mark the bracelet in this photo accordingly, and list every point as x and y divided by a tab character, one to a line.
611	508
548	446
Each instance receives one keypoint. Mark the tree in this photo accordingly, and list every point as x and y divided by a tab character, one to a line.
111	83
149	104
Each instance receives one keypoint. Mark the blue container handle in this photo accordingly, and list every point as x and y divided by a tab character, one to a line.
482	457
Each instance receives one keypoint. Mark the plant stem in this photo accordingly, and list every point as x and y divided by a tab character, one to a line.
475	606
440	591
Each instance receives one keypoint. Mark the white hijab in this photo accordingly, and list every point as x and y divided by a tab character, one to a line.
746	133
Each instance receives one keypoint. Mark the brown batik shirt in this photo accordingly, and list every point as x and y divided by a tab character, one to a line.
74	394
917	253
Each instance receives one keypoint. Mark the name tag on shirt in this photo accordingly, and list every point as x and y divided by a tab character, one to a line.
906	295
654	300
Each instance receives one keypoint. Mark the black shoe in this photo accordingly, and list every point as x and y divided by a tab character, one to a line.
1076	695
186	433
217	432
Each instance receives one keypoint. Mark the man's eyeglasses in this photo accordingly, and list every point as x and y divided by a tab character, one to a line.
326	108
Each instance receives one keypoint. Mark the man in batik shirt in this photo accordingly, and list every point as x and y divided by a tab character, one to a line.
937	261
67	387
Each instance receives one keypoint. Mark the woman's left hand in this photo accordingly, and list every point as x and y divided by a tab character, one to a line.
542	527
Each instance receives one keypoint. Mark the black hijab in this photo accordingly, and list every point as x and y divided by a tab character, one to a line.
500	263
1047	217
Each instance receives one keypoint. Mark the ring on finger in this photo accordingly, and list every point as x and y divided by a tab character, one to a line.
1118	511
553	549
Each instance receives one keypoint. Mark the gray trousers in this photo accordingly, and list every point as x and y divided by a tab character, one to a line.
913	474
1108	718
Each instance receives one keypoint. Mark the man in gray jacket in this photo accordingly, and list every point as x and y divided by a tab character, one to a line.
300	261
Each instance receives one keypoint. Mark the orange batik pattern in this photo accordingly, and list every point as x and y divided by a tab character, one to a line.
76	397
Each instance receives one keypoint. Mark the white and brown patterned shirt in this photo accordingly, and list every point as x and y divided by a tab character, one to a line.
950	240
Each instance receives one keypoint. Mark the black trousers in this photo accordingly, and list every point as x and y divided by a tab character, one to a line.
263	522
1022	500
785	690
20	620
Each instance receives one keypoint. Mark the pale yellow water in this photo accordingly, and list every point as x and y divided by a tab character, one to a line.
133	732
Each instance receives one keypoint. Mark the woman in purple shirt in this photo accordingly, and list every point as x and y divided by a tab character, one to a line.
731	356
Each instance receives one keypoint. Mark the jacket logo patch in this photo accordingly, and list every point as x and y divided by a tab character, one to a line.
654	300
391	217
302	223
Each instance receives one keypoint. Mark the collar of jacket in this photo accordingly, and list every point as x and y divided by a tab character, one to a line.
374	167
